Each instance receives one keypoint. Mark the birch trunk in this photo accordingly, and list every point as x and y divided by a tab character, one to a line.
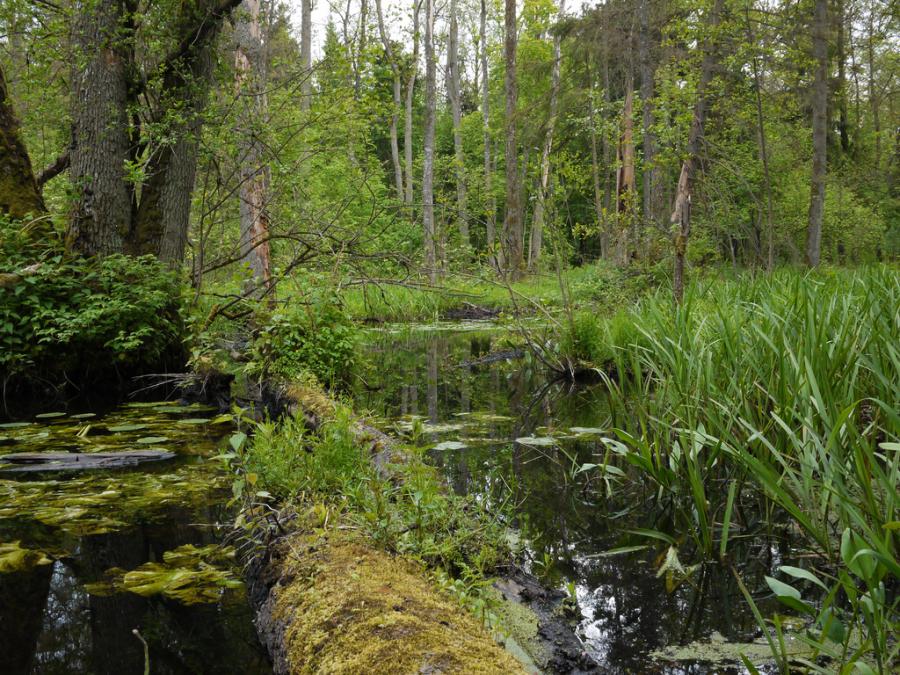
428	160
453	91
408	119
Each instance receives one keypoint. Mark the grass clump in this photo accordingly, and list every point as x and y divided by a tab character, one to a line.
408	512
768	403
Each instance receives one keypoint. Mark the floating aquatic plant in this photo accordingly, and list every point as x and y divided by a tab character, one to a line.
188	574
15	558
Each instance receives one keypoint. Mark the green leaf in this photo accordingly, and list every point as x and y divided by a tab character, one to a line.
781	589
799	573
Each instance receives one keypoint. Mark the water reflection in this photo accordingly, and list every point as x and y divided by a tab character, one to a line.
568	523
78	527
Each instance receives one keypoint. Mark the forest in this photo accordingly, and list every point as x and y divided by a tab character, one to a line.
462	336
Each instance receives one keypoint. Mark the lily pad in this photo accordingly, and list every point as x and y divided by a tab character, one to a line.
537	441
194	420
450	445
15	558
49	415
150	440
586	430
126	427
14	425
83	416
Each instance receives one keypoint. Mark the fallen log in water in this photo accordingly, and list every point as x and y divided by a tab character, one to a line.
21	462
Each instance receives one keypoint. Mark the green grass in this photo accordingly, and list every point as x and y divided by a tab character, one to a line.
409	513
595	284
776	395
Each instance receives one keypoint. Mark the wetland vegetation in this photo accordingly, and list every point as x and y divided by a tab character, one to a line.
461	337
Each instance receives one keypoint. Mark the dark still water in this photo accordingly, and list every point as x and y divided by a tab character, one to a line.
499	429
88	557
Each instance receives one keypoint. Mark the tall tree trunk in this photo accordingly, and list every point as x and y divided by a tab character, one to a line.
626	187
819	132
491	204
408	119
763	149
512	225
19	193
537	221
160	224
841	84
681	213
395	111
650	176
595	173
306	53
874	102
250	75
428	161
101	214
453	91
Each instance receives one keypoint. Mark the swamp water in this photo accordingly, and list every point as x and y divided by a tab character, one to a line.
87	557
499	429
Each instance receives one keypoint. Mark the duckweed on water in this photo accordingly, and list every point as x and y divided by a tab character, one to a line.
188	574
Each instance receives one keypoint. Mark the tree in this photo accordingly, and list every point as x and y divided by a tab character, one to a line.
537	223
428	160
306	53
491	206
250	90
19	193
512	223
132	169
395	110
408	119
819	132
454	95
681	213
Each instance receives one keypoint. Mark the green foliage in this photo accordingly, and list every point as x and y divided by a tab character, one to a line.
786	385
411	513
74	314
300	340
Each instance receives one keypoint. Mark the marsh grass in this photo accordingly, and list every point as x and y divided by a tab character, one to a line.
776	396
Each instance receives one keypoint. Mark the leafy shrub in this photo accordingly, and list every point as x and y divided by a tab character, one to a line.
76	315
299	340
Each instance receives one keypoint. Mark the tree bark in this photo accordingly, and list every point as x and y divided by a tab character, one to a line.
250	74
626	186
395	111
19	192
650	176
819	132
512	224
101	215
408	119
428	161
537	220
491	204
306	54
763	149
681	213
453	93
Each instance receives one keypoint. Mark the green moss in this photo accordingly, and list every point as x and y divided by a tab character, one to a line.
351	608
